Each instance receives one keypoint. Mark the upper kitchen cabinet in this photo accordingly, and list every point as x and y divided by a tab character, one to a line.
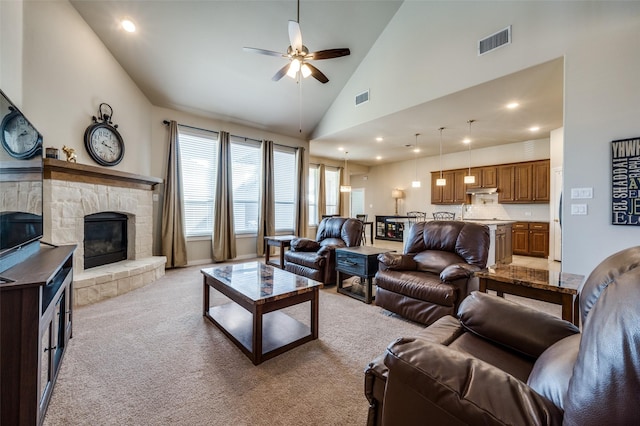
486	177
454	192
524	182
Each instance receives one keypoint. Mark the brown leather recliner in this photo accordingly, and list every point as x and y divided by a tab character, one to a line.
435	272
316	259
501	363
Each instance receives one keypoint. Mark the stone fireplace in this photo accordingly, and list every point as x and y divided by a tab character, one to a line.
76	191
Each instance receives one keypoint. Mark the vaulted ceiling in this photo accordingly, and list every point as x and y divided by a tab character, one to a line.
188	55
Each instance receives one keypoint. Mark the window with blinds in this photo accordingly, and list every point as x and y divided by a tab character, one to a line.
199	162
332	188
312	196
246	176
284	176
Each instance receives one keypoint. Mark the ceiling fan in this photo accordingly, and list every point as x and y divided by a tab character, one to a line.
299	56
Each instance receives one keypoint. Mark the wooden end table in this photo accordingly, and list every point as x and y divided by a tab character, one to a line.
280	241
361	261
253	320
556	287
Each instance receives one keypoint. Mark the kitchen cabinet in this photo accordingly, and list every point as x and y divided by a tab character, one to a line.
524	182
531	239
504	248
486	177
454	192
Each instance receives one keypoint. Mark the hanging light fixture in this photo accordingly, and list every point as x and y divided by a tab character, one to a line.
442	181
347	185
416	182
470	178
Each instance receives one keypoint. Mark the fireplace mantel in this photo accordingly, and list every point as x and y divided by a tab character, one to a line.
64	170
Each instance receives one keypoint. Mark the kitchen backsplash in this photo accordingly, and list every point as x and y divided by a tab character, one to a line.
486	206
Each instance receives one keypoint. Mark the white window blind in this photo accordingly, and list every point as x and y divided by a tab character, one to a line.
199	163
284	175
312	196
246	176
332	187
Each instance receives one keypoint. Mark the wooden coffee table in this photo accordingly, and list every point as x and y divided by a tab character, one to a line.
549	286
252	320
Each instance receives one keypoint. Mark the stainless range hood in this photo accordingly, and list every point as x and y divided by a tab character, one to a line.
482	190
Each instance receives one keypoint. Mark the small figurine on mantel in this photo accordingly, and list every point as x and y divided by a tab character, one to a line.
71	154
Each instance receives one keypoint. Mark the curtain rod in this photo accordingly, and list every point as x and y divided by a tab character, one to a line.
166	122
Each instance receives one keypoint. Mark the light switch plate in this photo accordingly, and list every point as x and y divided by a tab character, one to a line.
581	193
578	209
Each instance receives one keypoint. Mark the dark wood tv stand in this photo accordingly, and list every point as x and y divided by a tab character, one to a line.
36	309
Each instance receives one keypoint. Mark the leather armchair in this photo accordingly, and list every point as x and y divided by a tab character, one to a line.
316	259
501	363
435	272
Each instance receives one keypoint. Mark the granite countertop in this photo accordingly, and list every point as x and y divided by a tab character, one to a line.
490	221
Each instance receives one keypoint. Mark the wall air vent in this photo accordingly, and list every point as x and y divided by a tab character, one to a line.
499	39
362	98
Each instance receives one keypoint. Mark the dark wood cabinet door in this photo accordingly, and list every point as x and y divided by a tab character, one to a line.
448	191
523	182
539	243
436	191
541	185
520	238
505	183
459	187
489	177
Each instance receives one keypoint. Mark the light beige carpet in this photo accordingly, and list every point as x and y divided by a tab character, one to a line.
150	358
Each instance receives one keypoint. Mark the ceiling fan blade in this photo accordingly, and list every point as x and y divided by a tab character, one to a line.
281	72
264	52
328	54
295	36
317	74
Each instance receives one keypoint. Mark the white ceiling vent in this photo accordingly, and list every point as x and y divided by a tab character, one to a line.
362	98
499	39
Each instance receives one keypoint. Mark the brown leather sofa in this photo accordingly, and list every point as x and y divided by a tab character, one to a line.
435	272
316	259
501	363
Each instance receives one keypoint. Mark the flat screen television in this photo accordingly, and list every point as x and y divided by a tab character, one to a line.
21	173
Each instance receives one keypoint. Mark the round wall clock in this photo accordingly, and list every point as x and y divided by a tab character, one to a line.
19	138
103	141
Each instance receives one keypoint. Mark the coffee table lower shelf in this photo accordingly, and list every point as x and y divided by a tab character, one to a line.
280	332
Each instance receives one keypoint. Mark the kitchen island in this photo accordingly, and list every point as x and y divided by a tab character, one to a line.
500	245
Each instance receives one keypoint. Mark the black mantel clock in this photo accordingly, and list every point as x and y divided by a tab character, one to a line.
102	139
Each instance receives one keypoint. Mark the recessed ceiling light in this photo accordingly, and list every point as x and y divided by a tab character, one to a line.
379	139
378	157
128	25
340	148
513	105
466	140
416	150
534	129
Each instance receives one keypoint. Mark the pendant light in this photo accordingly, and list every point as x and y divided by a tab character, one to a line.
468	179
416	182
347	184
442	181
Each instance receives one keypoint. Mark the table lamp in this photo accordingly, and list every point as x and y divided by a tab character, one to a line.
397	194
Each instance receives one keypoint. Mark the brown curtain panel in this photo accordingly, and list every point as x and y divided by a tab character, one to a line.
224	239
174	243
267	202
301	202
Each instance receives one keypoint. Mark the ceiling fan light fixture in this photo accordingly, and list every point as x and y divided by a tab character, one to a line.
294	68
306	71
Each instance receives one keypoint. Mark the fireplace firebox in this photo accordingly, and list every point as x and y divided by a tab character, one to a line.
105	239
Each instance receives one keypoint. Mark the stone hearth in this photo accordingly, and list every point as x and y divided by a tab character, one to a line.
72	191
